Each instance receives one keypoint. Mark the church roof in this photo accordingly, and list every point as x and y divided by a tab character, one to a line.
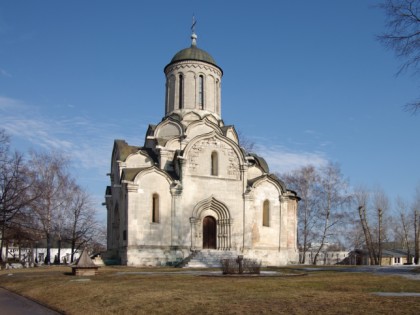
131	173
193	53
124	149
261	162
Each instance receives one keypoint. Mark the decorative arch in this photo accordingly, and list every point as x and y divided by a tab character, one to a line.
139	159
277	183
173	144
199	127
155	170
175	116
217	135
168	129
231	158
191	116
218	210
134	175
231	133
212	118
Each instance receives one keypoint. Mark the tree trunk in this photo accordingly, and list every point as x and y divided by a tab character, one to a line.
7	250
1	243
48	257
59	250
73	245
405	230
366	232
380	237
324	235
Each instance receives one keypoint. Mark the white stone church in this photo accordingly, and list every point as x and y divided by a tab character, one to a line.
191	188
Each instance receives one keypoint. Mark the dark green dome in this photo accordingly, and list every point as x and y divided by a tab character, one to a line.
193	53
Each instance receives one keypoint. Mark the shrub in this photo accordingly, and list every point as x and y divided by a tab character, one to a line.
249	266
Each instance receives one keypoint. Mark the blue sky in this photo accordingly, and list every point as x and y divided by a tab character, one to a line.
305	80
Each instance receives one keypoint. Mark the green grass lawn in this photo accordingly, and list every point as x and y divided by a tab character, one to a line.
120	290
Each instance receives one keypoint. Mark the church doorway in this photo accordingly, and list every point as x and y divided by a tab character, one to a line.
209	233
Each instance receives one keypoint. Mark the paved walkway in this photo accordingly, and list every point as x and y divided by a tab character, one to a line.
407	271
14	304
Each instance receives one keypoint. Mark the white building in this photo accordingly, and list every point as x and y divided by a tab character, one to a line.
191	187
37	252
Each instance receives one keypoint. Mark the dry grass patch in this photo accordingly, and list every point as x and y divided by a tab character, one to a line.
121	290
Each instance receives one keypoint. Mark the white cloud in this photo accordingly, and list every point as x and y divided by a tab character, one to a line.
9	103
87	143
281	159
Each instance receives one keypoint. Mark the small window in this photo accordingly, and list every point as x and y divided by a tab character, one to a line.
214	164
155	208
266	213
201	91
181	91
124	235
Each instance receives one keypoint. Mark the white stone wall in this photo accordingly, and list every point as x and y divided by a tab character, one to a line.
191	71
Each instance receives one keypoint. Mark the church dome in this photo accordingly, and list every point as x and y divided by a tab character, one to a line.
193	53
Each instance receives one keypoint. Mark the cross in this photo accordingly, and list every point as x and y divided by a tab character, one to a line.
194	21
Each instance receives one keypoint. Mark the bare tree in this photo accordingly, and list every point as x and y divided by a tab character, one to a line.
321	213
333	196
373	216
361	197
4	146
403	36
50	178
404	226
245	143
305	181
381	204
15	187
39	199
81	227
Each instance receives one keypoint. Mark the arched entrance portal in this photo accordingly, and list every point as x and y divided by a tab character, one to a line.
210	225
209	233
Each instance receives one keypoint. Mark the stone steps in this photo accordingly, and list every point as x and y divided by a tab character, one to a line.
209	258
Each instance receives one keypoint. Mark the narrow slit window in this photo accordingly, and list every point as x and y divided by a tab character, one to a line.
201	91
214	164
181	91
155	208
266	213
